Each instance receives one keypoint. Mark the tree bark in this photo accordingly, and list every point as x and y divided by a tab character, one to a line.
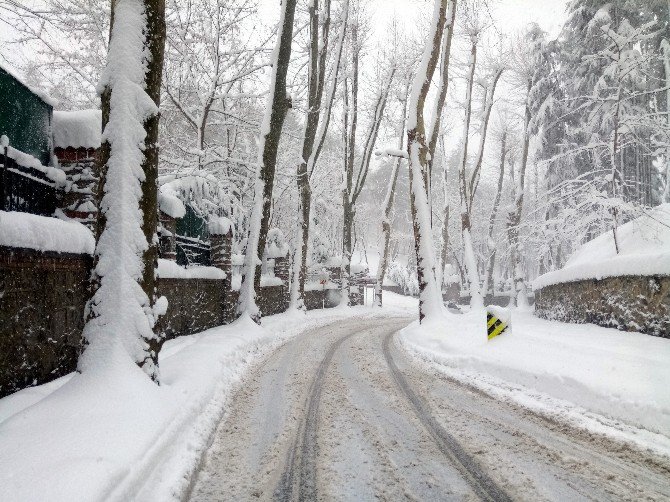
494	213
514	217
469	258
317	75
114	274
278	105
430	301
388	208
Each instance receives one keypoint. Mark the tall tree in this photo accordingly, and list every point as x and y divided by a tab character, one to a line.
278	104
318	52
388	202
430	300
123	311
356	173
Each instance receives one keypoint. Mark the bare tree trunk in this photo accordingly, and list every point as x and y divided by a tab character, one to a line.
488	106
388	209
443	86
317	74
430	298
354	185
494	213
277	107
514	218
665	45
469	258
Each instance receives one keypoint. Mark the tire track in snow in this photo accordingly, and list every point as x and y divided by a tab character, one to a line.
301	459
482	484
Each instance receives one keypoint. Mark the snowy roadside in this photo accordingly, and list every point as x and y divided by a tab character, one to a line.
113	435
604	380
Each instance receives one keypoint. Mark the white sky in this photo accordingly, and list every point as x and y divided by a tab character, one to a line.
509	15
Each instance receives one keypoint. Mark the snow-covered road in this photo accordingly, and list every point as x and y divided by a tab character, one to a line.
341	414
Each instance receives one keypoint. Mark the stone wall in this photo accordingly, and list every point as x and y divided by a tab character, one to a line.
193	305
42	301
626	303
42	298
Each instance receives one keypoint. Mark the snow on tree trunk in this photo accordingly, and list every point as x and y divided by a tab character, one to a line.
514	218
430	299
388	209
122	314
318	51
354	179
489	282
277	106
665	46
469	258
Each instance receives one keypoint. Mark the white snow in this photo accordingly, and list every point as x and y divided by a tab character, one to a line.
23	159
113	435
121	317
219	225
168	269
644	249
266	281
170	203
618	376
42	233
77	129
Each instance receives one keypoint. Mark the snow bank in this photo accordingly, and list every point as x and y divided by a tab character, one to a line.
644	249
113	435
619	376
78	129
168	269
42	233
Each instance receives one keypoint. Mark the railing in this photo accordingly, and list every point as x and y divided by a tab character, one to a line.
192	251
25	189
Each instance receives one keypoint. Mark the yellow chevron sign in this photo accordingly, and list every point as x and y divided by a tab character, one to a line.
494	325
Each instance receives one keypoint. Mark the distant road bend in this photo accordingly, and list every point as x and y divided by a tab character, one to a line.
342	414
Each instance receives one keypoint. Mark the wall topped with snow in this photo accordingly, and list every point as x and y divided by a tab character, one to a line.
41	233
644	250
77	129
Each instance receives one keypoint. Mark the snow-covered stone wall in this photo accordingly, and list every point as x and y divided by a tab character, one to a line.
42	298
628	303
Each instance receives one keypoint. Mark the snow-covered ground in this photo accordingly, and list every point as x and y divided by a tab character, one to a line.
602	379
111	434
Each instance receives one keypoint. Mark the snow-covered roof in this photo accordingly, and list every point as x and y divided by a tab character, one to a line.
644	249
37	92
78	129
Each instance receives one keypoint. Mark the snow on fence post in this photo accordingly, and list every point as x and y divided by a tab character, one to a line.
167	232
221	244
4	143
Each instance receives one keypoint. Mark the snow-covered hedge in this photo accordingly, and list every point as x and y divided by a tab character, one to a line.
644	249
